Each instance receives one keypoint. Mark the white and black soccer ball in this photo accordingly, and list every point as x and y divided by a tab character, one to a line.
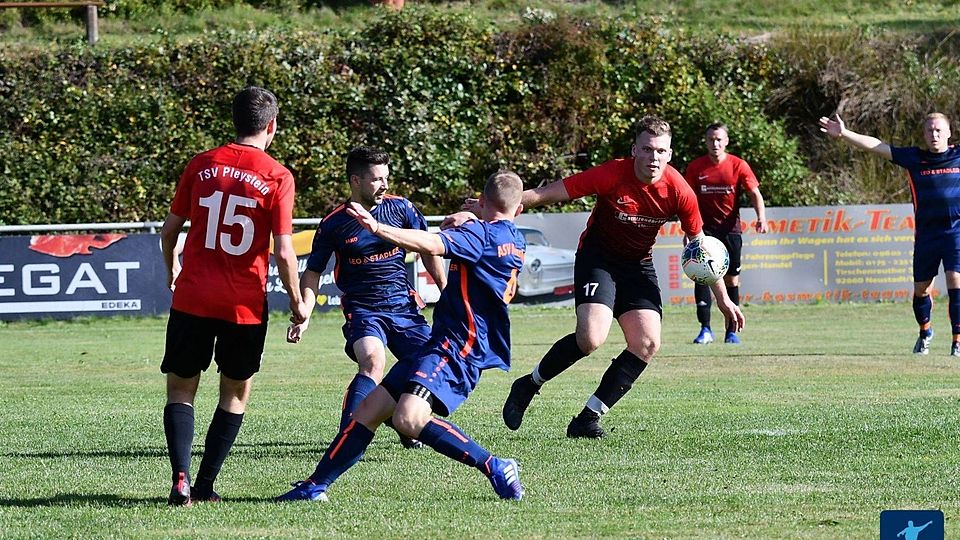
705	261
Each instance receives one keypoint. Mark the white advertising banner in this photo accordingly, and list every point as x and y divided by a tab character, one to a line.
813	254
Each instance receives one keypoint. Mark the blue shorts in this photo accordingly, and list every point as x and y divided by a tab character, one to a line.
932	248
404	333
449	379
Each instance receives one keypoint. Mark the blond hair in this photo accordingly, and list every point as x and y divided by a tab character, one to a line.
504	190
936	116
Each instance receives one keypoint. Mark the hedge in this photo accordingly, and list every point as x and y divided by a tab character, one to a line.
97	134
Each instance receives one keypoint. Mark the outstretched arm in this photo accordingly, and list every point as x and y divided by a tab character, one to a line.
553	192
835	128
423	242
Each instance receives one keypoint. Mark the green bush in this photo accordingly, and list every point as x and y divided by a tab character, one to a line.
101	134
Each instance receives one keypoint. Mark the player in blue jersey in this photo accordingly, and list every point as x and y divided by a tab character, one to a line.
934	174
471	333
379	303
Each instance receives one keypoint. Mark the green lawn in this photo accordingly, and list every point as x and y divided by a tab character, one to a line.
817	423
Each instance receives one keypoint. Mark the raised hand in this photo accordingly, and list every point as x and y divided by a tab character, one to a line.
832	126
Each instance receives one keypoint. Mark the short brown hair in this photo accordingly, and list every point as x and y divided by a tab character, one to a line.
653	125
253	109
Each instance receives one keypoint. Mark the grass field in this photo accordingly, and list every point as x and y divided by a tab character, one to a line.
820	421
752	18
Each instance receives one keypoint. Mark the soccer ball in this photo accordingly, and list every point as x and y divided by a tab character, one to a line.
705	261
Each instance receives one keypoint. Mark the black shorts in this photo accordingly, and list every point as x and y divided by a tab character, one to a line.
734	243
621	286
193	341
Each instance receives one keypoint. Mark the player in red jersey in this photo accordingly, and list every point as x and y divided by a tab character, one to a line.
614	274
235	196
718	179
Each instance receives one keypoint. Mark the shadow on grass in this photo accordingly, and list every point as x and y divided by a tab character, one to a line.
253	448
82	499
263	449
110	500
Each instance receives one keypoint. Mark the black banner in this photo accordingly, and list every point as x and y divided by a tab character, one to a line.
64	276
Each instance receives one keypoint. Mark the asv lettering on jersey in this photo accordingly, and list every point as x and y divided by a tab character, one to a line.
230	218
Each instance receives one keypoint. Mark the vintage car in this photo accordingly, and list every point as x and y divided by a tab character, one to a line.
546	270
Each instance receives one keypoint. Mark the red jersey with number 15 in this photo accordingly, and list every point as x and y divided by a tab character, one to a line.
629	213
236	198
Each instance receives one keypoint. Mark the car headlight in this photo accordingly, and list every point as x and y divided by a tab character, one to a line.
535	266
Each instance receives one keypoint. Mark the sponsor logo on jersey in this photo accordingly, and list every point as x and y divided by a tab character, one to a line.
723	190
643	221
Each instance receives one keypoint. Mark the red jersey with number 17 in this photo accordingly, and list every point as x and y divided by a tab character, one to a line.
236	198
629	213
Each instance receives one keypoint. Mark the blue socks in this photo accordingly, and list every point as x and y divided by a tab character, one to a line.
344	452
954	310
449	440
922	306
359	388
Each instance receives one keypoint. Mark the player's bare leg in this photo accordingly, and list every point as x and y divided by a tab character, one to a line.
593	327
641	328
371	359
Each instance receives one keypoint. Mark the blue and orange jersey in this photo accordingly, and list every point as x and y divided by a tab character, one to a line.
471	319
935	185
371	272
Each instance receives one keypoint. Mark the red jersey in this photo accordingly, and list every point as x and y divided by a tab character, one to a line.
236	198
718	187
629	213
